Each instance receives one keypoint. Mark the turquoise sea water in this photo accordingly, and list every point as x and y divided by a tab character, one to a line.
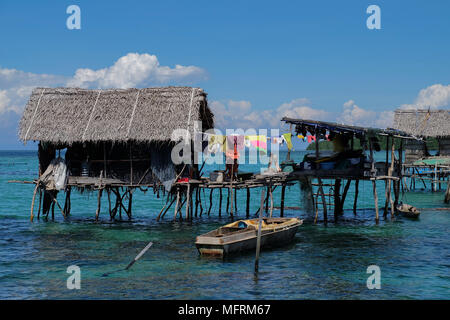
324	262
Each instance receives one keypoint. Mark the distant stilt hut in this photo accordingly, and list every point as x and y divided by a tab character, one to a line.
420	164
115	141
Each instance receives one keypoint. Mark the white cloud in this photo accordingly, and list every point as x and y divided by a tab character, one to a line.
17	86
135	70
434	96
239	114
131	70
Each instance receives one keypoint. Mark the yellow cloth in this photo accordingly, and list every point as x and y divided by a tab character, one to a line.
217	140
288	138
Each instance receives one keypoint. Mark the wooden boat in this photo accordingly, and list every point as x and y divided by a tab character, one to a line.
241	236
408	211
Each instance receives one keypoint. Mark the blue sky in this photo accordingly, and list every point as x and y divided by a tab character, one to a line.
256	60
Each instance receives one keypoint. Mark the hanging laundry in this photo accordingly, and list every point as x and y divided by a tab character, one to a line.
258	141
235	140
277	140
216	143
288	138
310	138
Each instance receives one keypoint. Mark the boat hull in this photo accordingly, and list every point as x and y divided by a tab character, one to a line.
247	241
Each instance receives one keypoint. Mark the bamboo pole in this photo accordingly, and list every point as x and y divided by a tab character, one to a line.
32	202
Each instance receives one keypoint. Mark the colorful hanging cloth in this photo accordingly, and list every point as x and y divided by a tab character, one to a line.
288	138
258	141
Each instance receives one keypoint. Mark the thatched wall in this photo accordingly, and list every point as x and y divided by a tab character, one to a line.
423	123
69	115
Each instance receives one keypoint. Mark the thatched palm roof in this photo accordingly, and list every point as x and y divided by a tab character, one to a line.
68	115
423	123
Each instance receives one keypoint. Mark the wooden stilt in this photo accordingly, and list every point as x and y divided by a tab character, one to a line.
162	213
271	202
344	196
99	197
283	190
258	239
196	201
188	199
247	207
267	199
386	202
210	200
200	201
228	200
53	210
390	172
447	193
130	202
375	197
220	202
355	201
109	201
324	201
337	198
235	201
32	202
176	206
40	202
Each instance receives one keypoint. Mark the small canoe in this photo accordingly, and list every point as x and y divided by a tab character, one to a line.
241	236
408	211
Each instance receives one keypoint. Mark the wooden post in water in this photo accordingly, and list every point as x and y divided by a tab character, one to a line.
130	202
447	193
283	190
188	200
258	239
271	200
374	182
196	201
176	205
355	201
32	202
247	207
210	200
40	201
375	197
220	202
228	200
99	202
324	201
390	173
337	198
